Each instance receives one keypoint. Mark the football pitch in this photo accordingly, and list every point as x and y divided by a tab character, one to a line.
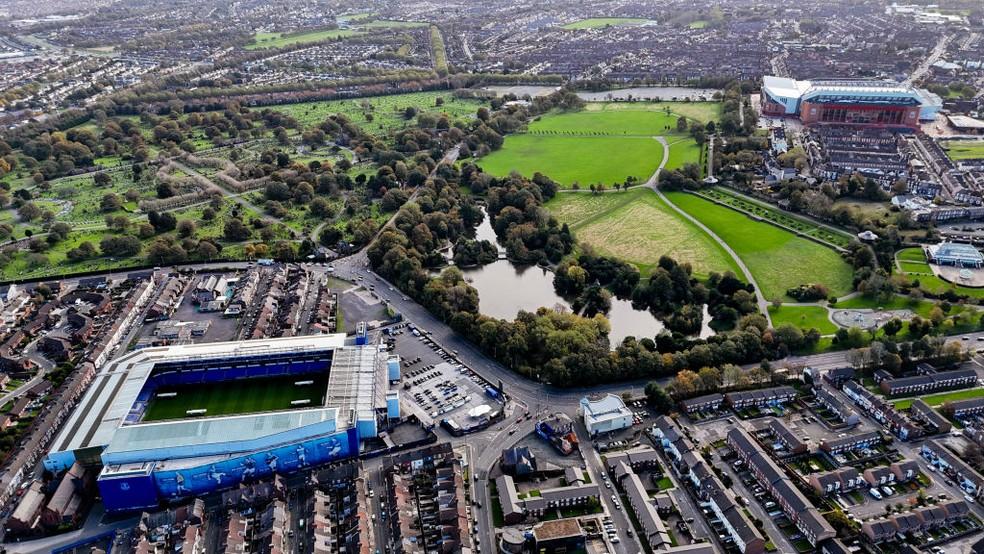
244	396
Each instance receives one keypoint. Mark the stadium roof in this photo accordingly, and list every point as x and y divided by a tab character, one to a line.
212	436
110	396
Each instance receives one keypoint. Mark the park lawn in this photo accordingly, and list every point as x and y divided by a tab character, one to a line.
638	227
684	151
778	259
897	302
600	22
279	40
941	398
646	123
701	111
773	214
387	112
964	149
804	317
583	160
236	397
57	260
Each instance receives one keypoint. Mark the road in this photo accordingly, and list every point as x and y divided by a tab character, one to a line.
933	57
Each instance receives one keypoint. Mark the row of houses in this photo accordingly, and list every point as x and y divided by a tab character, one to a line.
883	412
38	510
850	443
516	509
930	418
964	408
167	300
826	398
784	436
919	520
758	398
848	478
797	508
932	382
950	464
710	492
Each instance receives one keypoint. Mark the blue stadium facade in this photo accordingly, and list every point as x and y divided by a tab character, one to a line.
147	463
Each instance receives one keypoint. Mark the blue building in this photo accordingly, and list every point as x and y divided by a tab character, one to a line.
146	462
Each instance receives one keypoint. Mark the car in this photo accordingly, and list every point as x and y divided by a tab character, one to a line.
608	485
616	540
887	490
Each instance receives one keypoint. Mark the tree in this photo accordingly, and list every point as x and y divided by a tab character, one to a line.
186	228
120	247
207	250
892	326
29	211
235	230
681	124
110	202
657	398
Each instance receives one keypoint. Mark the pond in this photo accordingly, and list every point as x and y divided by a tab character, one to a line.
504	288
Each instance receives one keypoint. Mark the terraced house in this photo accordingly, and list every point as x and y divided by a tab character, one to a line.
797	508
760	398
851	442
922	384
836	481
950	463
925	414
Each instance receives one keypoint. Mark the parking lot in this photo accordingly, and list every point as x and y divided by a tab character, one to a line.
436	385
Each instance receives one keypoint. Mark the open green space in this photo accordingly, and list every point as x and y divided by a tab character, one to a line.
638	227
898	302
699	24
382	114
577	160
605	143
279	40
600	22
964	149
778	259
773	214
701	111
804	317
941	398
237	397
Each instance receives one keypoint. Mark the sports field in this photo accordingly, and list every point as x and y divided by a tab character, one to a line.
964	149
604	143
778	259
599	22
279	40
638	227
386	113
237	397
804	317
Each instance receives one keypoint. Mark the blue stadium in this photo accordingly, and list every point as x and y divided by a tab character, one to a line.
135	426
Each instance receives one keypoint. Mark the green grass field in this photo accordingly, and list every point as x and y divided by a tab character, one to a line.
638	227
699	24
237	397
964	149
604	143
279	40
701	111
941	398
599	22
582	160
804	317
778	259
386	112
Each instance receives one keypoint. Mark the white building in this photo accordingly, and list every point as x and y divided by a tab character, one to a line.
605	414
